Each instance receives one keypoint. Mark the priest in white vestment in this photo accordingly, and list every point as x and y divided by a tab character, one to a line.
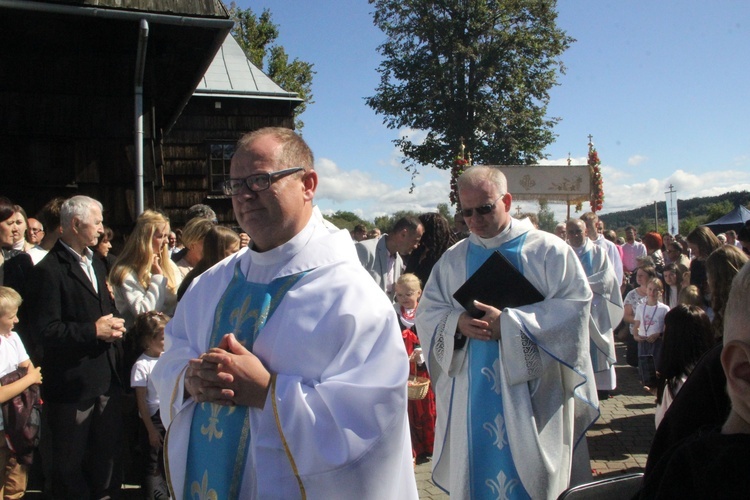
284	373
591	220
606	305
515	388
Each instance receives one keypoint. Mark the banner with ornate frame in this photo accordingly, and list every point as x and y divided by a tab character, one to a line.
569	184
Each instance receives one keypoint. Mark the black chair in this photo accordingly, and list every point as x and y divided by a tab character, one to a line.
615	488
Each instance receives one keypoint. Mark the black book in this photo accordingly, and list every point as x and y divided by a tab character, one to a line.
497	283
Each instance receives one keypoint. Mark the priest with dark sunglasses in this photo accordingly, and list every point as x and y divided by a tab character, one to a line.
522	374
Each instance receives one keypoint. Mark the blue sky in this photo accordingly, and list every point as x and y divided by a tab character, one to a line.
662	87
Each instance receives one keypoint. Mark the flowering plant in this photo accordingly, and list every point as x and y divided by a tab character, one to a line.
597	189
459	165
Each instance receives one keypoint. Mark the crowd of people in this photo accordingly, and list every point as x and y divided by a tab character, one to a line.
284	360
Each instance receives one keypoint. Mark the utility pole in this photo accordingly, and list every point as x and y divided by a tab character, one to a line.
656	218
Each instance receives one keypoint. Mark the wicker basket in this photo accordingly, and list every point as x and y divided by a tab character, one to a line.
418	387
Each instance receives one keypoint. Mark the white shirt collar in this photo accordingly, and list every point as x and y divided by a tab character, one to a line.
80	258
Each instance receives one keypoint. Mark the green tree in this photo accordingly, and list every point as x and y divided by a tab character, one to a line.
383	223
346	220
546	217
257	37
717	210
687	224
386	222
477	70
444	210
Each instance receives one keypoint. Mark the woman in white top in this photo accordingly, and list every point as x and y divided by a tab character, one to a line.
687	335
143	277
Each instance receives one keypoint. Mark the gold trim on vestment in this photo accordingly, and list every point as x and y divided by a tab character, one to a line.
167	469
289	456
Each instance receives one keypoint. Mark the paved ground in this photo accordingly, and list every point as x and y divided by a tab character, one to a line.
618	442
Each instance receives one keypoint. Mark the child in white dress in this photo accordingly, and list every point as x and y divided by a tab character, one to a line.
649	328
149	331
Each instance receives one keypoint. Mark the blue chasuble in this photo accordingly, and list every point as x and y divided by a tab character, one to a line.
493	474
220	435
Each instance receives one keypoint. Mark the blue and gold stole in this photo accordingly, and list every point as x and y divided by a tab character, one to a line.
220	435
598	358
492	471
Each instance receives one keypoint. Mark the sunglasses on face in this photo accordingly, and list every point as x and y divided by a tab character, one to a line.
483	210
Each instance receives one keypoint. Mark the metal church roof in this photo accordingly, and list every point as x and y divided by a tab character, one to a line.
232	74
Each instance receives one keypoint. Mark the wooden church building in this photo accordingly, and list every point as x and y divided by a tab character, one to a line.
76	75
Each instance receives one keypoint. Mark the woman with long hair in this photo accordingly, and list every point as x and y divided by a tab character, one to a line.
192	239
22	220
437	238
687	336
721	267
743	236
143	277
219	243
701	242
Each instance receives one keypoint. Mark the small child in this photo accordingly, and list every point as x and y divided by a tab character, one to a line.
691	296
149	333
713	463
649	328
421	411
14	475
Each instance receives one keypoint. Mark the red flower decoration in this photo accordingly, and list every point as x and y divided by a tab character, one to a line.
456	170
597	191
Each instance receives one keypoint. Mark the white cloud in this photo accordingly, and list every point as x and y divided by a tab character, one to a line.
365	195
339	185
636	160
580	160
621	196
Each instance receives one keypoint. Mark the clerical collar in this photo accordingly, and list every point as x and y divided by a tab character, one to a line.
579	250
498	239
285	250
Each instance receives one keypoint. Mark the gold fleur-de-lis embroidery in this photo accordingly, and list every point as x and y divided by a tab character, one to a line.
242	314
201	491
212	430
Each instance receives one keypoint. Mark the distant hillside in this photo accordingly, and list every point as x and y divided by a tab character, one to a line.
692	213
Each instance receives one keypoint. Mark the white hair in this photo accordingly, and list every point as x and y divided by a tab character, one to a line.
77	207
476	174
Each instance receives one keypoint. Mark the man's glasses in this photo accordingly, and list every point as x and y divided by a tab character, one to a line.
34	230
256	182
574	232
483	210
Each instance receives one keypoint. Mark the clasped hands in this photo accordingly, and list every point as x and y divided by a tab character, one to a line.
485	328
228	375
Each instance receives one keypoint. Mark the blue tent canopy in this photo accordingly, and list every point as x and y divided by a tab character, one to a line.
733	220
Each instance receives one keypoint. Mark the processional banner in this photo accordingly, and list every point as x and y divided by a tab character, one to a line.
555	183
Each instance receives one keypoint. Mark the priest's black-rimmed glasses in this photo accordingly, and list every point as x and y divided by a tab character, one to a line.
256	182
